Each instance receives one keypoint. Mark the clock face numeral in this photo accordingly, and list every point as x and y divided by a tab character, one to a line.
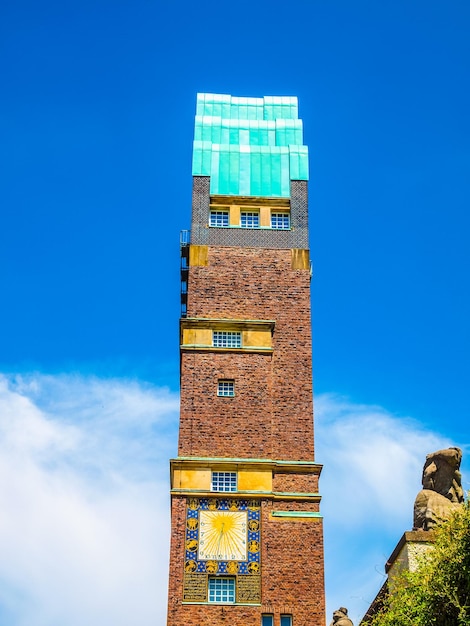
222	535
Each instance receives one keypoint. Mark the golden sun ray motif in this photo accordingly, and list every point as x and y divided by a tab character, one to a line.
223	535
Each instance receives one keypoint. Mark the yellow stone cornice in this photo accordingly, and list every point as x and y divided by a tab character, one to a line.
252	201
236	464
234	495
227	324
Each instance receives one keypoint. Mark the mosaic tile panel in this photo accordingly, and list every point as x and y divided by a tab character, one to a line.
223	538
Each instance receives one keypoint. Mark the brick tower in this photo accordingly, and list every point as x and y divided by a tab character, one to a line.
246	531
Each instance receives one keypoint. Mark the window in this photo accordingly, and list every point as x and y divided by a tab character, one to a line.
222	590
226	339
224	481
280	221
226	388
249	219
267	620
218	218
286	620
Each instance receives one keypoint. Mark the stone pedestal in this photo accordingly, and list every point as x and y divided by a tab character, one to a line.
409	549
406	556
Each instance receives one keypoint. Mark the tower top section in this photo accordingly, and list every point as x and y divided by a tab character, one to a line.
249	146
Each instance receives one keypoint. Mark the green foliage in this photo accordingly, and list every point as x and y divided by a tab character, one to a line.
438	592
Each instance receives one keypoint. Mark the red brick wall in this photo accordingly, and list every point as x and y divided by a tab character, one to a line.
295	483
292	565
271	415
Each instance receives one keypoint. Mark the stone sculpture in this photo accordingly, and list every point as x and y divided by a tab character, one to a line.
340	618
442	489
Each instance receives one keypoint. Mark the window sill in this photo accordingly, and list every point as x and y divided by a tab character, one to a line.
205	348
225	603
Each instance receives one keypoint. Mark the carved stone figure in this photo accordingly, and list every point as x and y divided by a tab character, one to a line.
340	618
442	489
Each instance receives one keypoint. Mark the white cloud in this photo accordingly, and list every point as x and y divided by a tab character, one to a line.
84	501
373	460
84	506
372	472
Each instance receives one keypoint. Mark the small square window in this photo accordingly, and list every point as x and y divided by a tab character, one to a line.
267	620
280	221
224	481
218	218
286	620
249	219
226	388
222	590
226	339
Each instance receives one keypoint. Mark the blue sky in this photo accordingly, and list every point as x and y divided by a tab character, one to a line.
96	120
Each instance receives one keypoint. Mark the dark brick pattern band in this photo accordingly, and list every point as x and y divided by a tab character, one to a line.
202	235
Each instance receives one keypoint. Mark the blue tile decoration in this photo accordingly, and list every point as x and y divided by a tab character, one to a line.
246	571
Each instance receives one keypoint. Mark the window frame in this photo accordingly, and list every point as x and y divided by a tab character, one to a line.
219	581
280	215
225	388
220	480
286	619
250	217
226	339
218	213
267	619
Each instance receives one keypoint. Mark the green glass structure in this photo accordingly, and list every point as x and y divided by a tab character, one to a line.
249	146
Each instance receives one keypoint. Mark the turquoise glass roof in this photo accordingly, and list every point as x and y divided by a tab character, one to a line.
249	146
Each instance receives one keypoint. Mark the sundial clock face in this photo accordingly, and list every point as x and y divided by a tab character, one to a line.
223	535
